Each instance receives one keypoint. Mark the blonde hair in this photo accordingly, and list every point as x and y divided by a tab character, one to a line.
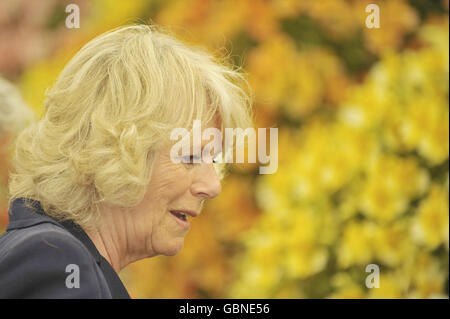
109	112
14	114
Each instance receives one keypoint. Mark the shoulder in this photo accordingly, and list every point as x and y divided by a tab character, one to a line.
46	261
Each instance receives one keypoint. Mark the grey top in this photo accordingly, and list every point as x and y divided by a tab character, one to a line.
43	258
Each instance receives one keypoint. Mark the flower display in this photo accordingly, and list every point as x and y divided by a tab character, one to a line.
363	119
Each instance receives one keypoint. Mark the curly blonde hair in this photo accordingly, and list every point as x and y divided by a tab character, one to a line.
14	113
110	111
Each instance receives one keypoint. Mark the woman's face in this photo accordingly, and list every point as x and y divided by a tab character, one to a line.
158	225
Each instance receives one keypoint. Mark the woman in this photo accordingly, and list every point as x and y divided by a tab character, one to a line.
94	187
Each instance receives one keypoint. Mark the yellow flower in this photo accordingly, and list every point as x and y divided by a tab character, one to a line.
431	225
392	243
390	287
302	262
348	292
345	288
396	19
427	278
426	127
391	184
256	281
356	245
269	80
303	256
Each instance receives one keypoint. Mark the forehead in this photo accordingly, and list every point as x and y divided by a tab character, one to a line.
216	122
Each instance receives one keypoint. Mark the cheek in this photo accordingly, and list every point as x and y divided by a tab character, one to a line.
175	183
169	183
182	182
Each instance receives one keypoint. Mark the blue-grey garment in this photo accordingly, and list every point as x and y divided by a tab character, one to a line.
43	258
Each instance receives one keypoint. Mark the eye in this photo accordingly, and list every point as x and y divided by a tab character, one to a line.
216	159
190	159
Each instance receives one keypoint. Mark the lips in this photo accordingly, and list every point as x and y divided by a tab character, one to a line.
181	216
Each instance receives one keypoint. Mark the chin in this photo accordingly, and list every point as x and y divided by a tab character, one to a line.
171	248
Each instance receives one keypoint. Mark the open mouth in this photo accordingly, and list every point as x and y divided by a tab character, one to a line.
179	215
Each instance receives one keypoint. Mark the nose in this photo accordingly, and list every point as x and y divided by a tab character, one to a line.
206	183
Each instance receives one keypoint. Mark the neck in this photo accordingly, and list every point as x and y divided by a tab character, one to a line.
114	240
107	249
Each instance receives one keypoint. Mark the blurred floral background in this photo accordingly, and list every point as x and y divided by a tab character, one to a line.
363	119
